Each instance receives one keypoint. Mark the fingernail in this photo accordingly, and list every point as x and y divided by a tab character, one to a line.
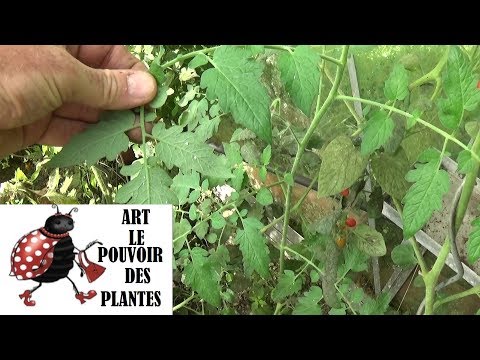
141	85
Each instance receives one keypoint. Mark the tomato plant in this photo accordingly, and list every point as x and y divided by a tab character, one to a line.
235	129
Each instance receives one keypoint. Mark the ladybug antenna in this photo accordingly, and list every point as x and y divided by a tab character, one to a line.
56	206
74	209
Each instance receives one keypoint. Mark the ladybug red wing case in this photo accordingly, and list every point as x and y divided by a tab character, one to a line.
33	254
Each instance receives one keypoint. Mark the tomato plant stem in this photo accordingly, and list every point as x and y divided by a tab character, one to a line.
144	151
301	149
189	55
460	295
408	115
431	278
184	302
470	181
290	48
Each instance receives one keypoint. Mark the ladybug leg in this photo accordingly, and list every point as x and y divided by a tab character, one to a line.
26	296
82	296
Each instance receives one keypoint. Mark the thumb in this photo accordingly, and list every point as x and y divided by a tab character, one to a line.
113	89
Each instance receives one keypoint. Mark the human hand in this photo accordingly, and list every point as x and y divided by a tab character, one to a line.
48	93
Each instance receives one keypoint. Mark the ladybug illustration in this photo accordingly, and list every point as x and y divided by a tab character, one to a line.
47	255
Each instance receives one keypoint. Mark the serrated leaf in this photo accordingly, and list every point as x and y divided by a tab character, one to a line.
460	87
207	128
253	247
194	195
377	131
201	276
179	229
424	196
287	285
339	311
300	74
357	295
266	155
182	184
235	81
106	138
396	86
242	134
198	60
429	155
232	152
238	177
196	111
355	259
473	242
341	166
465	162
183	150
160	99
398	134
201	229
369	240
403	255
140	191
308	303
264	197
390	170
472	128
217	220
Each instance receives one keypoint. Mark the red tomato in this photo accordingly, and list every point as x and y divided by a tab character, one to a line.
350	222
345	192
478	84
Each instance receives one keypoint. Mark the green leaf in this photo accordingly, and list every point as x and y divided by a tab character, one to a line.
207	128
396	86
266	155
369	241
192	212
140	191
106	138
390	170
288	178
460	87
217	220
430	154
398	134
341	166
424	196
375	203
160	99
264	197
242	134
465	162
232	152
196	111
339	311
378	130
182	185
314	276
355	259
473	243
287	285
308	303
357	295
235	81
300	74
180	228
211	238
201	229
183	150
194	195
198	60
472	128
237	180
403	255
253	247
201	276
